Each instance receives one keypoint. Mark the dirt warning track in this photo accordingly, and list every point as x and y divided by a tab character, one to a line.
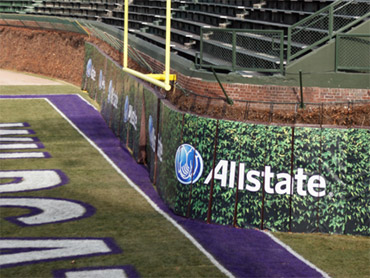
20	79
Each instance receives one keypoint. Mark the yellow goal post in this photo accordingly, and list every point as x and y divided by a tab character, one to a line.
160	80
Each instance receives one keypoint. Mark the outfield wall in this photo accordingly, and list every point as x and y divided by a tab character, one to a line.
235	173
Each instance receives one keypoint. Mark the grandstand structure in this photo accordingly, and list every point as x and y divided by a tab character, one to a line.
260	42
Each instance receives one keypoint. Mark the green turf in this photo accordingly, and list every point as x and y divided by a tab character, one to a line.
338	255
149	242
39	90
46	90
93	181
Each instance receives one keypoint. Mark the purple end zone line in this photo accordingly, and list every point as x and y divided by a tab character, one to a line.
244	252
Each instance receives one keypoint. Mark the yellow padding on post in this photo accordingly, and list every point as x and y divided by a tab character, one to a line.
162	77
152	80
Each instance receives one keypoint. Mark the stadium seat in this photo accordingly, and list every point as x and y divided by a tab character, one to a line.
147	19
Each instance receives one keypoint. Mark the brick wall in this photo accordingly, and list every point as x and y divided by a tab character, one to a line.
265	93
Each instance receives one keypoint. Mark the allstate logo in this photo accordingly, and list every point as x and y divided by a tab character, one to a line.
188	164
126	110
89	68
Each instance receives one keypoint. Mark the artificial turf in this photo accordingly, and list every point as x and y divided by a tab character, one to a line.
148	242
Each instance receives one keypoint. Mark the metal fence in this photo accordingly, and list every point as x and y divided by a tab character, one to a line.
353	52
114	37
324	24
41	22
235	49
232	49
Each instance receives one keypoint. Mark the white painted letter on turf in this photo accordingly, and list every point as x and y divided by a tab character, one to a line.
35	250
26	180
46	210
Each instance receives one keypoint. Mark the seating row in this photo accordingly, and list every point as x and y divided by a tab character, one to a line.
69	12
14	6
147	21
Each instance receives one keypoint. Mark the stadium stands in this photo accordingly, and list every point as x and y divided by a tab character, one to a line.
191	17
15	6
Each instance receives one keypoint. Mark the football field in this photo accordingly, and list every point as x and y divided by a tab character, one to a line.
113	212
74	203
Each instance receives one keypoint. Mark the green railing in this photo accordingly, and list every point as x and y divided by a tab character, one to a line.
263	51
114	37
41	22
235	49
325	24
353	52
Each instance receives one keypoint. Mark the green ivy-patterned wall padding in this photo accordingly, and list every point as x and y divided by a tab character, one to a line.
340	156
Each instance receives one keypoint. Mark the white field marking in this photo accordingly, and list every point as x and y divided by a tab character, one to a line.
96	273
165	215
294	253
173	222
22	155
18	146
2	125
58	249
14	132
17	139
29	180
86	102
53	210
154	206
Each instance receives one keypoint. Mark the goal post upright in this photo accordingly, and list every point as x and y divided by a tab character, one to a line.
125	36
168	42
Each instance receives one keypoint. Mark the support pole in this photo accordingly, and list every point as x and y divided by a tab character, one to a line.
301	88
291	180
228	100
168	43
125	35
209	212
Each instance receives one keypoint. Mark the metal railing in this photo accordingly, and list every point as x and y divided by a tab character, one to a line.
263	50
114	37
41	22
325	24
235	49
352	52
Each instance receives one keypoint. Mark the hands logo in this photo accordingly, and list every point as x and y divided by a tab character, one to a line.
126	110
151	133
89	68
110	87
101	81
188	164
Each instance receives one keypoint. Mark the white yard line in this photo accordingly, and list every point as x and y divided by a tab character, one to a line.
154	205
295	254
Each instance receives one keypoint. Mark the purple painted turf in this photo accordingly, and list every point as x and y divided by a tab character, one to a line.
244	252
